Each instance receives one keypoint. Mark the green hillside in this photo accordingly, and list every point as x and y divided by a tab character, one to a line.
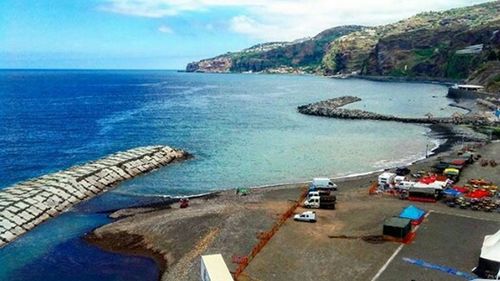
305	55
459	44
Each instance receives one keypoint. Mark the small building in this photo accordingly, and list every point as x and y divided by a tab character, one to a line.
470	88
397	227
467	91
213	268
472	49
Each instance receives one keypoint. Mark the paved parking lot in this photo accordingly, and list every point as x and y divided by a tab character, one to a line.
446	240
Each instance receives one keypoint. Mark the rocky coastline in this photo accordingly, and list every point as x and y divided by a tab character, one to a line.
25	205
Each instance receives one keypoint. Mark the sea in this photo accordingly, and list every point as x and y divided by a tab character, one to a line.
242	129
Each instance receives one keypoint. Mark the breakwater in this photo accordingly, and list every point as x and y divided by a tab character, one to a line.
332	108
27	204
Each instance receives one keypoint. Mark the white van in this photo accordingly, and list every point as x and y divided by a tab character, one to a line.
322	183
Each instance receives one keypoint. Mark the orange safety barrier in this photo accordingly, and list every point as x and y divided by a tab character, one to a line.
373	189
266	236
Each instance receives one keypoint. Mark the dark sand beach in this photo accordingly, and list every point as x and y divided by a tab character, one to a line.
226	223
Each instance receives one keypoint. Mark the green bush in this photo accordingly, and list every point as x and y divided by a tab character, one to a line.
460	66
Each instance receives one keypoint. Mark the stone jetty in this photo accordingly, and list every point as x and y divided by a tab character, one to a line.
27	204
332	108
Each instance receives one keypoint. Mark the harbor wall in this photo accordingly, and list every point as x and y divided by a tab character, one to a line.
460	94
465	94
332	108
25	205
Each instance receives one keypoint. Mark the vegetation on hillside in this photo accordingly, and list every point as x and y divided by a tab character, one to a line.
459	44
422	45
305	54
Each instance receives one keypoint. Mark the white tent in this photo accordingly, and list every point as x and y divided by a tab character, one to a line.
491	247
489	260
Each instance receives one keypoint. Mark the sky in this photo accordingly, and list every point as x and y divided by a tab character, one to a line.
167	34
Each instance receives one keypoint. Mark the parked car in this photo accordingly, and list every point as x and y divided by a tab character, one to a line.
443	164
309	216
402	171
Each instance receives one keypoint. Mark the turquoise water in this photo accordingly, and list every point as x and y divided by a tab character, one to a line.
243	130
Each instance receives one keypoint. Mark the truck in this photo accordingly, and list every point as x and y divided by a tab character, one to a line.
405	185
386	180
316	200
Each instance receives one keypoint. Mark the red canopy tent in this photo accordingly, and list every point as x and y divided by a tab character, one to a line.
428	179
478	194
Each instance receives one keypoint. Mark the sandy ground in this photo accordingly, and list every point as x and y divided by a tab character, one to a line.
230	224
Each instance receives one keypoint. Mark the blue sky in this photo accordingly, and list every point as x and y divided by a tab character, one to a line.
167	34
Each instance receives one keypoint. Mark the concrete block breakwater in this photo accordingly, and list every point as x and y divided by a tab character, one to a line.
331	108
27	204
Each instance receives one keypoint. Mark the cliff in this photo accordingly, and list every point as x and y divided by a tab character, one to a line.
458	44
300	55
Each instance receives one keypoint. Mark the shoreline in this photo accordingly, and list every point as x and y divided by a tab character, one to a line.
446	137
131	244
135	245
451	141
404	79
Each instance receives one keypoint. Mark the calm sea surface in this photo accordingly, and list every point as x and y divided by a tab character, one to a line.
244	130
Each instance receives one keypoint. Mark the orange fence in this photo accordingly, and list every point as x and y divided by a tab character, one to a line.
266	236
372	190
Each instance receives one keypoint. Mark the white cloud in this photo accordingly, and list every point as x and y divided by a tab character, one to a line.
165	29
288	19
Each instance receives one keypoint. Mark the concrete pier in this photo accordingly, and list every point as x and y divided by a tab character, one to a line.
27	204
